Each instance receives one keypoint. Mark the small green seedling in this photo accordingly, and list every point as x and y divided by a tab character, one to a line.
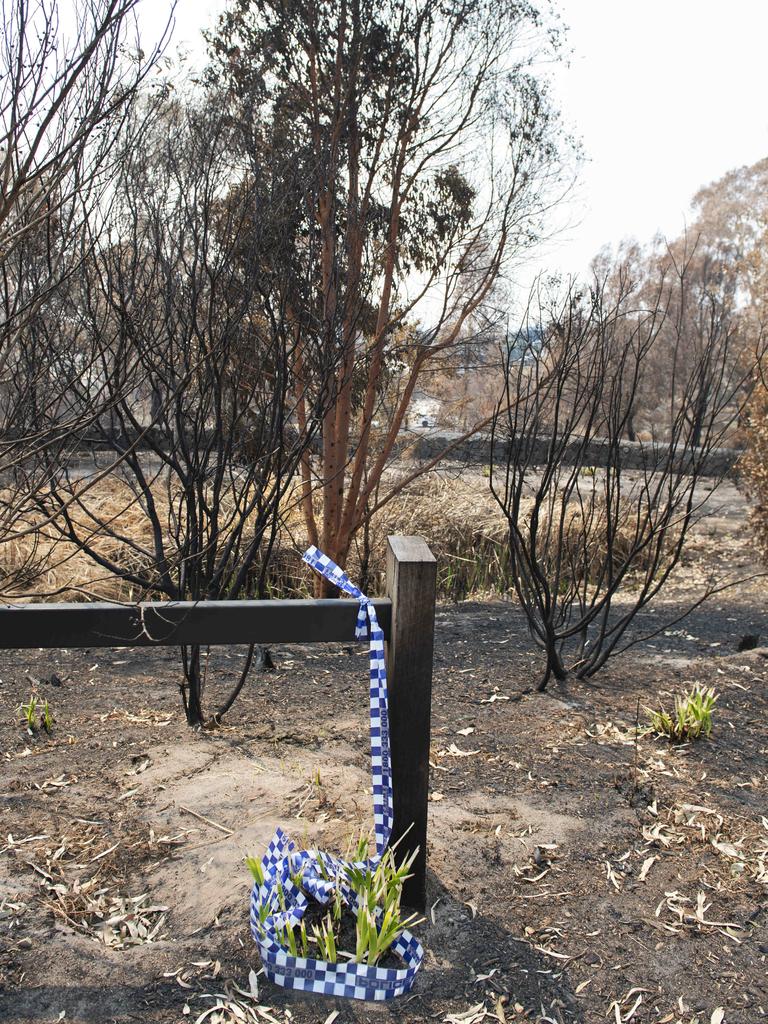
381	888
374	937
337	905
287	937
379	919
29	714
254	866
36	715
360	850
325	938
46	718
691	718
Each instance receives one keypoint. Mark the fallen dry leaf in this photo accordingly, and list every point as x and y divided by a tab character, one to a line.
471	1016
647	865
454	751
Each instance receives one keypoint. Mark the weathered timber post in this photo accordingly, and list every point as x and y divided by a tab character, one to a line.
411	579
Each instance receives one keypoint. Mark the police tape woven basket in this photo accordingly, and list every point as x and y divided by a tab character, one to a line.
282	862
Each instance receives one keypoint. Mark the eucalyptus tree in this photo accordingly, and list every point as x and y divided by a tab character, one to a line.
426	152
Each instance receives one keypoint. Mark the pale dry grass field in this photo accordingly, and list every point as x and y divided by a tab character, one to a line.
453	510
462	522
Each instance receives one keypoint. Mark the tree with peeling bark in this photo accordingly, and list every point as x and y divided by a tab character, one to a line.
426	153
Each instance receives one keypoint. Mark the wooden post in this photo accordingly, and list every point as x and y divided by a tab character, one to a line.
411	579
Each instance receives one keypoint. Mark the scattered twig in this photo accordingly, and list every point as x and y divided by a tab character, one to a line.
207	821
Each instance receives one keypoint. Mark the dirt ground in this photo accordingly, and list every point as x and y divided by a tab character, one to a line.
578	869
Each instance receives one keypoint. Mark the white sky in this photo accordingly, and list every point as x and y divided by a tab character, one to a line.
666	96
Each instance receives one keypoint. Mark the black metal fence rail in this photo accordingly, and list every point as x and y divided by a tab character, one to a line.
406	615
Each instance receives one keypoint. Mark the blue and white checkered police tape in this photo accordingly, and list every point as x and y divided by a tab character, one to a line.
280	903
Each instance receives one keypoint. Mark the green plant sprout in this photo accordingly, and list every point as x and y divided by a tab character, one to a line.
46	718
326	940
287	937
361	849
379	918
36	715
381	888
29	713
254	866
338	903
691	718
375	938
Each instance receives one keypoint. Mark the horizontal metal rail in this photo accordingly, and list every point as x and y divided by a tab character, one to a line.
177	623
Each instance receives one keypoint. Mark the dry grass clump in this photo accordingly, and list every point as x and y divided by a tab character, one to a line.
459	520
457	516
55	569
464	528
580	536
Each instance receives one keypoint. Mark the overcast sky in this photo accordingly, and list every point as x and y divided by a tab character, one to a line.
666	96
